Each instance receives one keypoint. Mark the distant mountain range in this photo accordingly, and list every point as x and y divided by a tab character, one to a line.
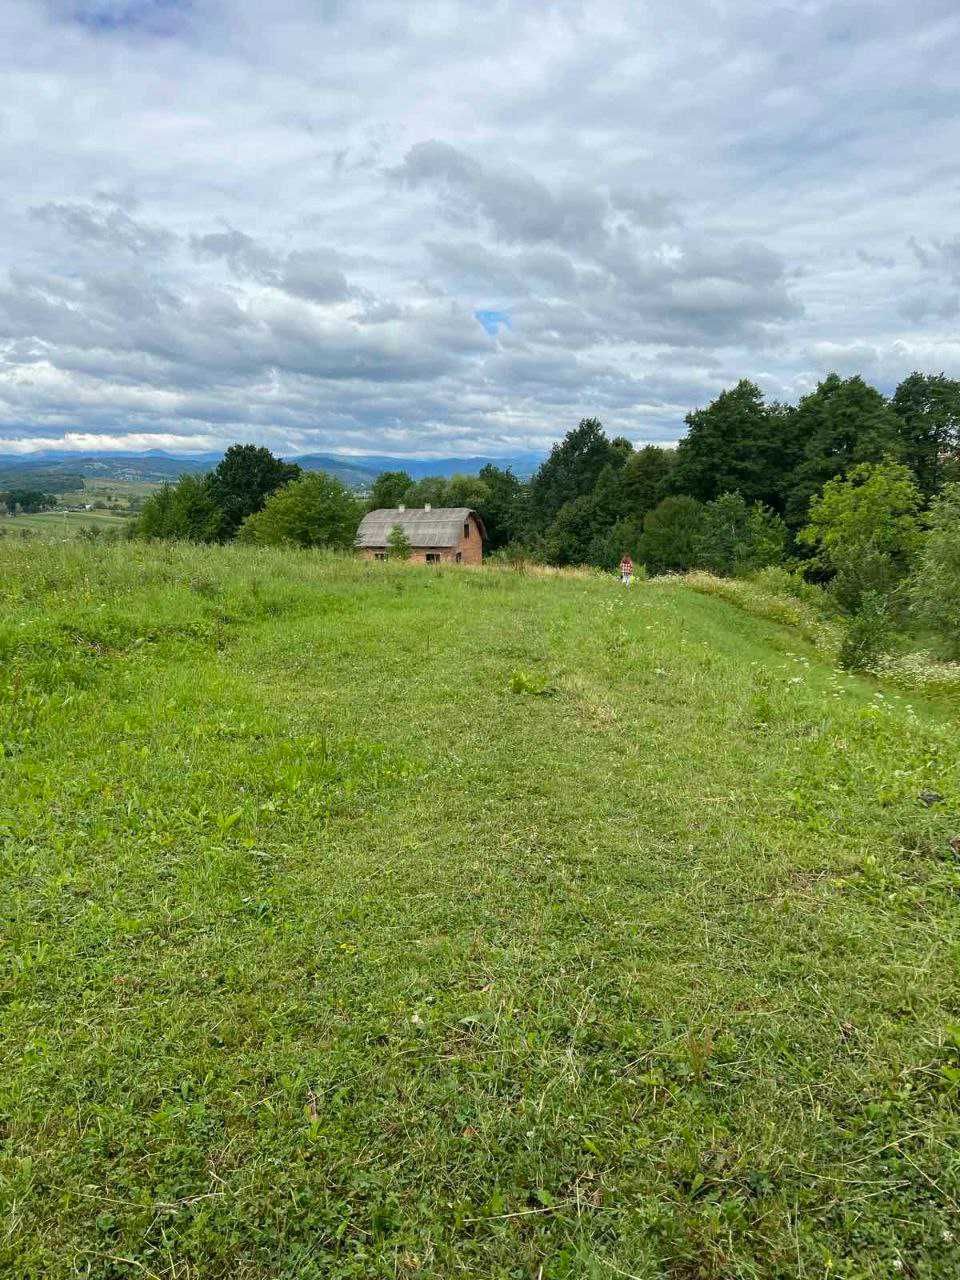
156	466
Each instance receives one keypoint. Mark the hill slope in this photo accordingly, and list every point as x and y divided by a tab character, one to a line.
59	470
369	920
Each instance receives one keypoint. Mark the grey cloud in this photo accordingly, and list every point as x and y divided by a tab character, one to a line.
301	273
651	209
938	255
518	206
305	275
878	260
114	230
247	259
924	307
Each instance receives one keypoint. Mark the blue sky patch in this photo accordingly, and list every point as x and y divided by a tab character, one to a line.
493	321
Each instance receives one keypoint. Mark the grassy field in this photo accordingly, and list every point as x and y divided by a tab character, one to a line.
383	922
124	492
60	525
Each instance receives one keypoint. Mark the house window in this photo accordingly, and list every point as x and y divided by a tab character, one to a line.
466	528
379	555
433	557
459	557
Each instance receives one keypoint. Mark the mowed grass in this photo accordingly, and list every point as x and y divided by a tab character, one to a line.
375	921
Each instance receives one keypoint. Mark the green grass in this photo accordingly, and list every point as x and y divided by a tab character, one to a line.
375	921
60	525
122	491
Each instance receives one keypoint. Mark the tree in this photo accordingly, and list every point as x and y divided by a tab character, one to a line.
740	537
430	490
844	423
314	511
245	477
672	539
876	505
572	531
465	491
504	508
935	585
572	469
389	489
928	409
646	478
608	548
194	515
398	544
28	501
864	530
184	510
737	445
155	520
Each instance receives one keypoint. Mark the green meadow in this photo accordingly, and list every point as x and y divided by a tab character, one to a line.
60	525
364	920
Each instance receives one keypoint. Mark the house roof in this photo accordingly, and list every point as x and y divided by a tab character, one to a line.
440	527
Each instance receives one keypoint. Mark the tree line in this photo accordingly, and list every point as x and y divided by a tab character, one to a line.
25	501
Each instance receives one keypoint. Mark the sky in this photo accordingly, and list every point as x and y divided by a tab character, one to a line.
449	228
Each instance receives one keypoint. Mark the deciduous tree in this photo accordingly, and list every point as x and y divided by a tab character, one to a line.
572	469
389	489
928	409
314	511
244	479
843	423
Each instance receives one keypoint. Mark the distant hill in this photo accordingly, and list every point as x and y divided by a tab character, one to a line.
52	469
155	467
53	477
350	471
521	464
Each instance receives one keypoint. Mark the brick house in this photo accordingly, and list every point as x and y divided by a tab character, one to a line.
445	535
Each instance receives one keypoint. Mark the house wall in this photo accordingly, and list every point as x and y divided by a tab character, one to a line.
471	548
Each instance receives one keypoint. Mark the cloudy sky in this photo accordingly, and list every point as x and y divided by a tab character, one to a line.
447	227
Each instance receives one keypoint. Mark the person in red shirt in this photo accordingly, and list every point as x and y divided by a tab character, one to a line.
626	569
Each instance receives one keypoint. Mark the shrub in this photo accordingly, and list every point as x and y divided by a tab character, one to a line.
398	544
777	579
862	571
868	634
934	589
865	530
314	511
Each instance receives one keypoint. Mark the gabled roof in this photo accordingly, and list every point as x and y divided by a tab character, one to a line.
440	527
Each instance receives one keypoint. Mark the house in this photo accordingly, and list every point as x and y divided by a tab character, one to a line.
446	535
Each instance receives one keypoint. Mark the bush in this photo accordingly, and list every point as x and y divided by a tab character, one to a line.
865	530
868	634
515	555
860	572
398	544
934	589
314	511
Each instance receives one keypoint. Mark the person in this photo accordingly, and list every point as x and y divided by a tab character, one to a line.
626	569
